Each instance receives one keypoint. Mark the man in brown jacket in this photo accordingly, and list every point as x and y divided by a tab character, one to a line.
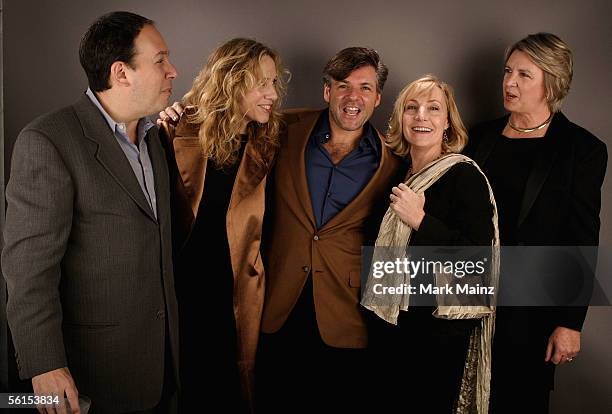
328	192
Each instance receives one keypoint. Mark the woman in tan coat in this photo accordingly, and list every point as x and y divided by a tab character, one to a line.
222	149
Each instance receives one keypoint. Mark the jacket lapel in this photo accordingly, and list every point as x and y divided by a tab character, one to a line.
188	176
248	177
192	169
109	154
541	168
298	137
160	171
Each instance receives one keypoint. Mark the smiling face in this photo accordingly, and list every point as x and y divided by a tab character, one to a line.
523	85
352	100
150	74
425	118
258	102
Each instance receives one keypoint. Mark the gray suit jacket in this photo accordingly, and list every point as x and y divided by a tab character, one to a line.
88	266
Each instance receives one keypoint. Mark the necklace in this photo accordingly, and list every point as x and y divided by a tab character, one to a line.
518	129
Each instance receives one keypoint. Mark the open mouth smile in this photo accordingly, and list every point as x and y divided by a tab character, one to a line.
351	110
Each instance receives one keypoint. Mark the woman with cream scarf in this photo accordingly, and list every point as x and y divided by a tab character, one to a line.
433	357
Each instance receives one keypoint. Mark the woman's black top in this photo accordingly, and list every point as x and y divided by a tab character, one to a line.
508	168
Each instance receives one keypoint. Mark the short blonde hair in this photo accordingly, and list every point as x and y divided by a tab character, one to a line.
232	69
554	57
456	132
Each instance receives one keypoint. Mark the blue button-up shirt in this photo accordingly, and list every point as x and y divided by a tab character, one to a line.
333	186
137	155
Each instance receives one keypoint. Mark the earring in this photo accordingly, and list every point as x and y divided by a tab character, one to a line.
445	136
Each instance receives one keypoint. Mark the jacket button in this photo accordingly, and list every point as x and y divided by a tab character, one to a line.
306	269
160	314
316	237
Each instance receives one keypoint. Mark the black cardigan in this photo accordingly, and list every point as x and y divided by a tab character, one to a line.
457	210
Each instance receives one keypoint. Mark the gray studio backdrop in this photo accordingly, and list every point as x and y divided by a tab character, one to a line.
460	41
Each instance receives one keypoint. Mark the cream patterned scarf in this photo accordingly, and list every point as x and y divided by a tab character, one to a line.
394	236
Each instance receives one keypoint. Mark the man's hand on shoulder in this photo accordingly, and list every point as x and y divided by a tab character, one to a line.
171	114
57	382
169	119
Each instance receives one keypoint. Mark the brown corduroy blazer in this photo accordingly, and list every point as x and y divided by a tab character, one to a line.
295	249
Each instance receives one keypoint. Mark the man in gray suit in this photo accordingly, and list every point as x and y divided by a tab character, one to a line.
87	255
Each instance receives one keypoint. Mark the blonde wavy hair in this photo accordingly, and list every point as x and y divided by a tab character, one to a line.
230	72
456	132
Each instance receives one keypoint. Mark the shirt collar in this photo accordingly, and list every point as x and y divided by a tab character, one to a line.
144	124
322	132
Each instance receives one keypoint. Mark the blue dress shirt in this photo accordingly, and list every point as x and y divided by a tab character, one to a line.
137	155
333	186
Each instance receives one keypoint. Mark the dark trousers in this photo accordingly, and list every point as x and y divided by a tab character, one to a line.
520	379
523	400
208	355
296	372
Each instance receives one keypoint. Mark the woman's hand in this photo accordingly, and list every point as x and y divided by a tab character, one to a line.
408	205
563	345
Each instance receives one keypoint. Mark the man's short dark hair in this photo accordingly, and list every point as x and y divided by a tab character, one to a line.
351	58
109	39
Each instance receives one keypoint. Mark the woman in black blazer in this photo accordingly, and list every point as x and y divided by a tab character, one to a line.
546	174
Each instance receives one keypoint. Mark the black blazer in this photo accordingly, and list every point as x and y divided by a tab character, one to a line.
562	197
